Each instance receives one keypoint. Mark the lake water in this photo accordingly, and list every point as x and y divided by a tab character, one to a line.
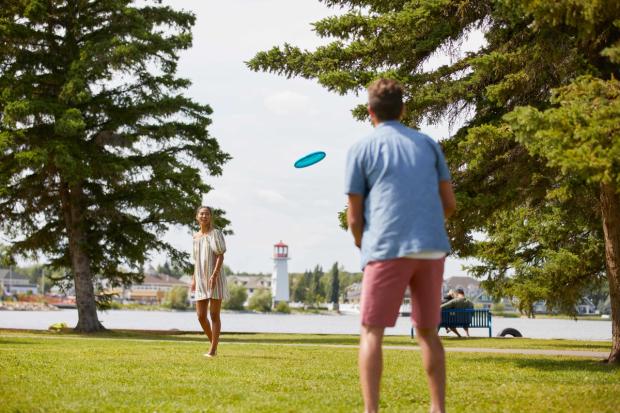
294	323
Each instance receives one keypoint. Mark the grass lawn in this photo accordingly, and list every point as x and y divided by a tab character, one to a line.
132	371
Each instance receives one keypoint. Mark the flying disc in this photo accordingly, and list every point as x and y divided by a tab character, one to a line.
310	159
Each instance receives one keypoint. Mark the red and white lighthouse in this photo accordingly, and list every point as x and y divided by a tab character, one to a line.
279	279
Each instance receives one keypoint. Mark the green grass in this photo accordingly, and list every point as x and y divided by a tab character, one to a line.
137	371
508	343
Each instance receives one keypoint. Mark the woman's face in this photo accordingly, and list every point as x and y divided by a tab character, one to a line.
203	216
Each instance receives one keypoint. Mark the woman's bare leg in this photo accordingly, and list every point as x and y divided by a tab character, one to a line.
214	310
201	311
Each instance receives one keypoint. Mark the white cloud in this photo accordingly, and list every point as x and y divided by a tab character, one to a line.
273	197
321	203
287	102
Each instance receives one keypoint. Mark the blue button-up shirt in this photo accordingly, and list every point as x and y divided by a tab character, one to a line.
397	169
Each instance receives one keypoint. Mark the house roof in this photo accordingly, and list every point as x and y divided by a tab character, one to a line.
144	294
462	282
250	281
13	277
161	279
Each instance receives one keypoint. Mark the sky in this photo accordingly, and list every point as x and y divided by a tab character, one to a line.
265	122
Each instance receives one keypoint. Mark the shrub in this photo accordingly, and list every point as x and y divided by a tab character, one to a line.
497	308
176	298
282	307
260	301
236	298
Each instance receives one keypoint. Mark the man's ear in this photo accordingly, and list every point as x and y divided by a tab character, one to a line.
373	117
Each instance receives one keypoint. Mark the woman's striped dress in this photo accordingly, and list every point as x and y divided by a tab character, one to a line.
206	247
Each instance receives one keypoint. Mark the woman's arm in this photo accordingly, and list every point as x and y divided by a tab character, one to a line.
219	260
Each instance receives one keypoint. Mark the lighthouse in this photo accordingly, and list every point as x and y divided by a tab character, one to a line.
279	279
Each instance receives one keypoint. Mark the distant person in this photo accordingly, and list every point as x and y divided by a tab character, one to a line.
399	193
451	294
459	302
208	282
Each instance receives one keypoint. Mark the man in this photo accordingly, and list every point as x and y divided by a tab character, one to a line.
399	192
459	302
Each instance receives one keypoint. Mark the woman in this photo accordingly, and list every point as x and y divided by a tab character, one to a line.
208	283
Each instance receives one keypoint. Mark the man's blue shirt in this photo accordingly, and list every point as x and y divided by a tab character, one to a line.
397	169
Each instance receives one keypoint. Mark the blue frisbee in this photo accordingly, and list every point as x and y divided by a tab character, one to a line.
310	159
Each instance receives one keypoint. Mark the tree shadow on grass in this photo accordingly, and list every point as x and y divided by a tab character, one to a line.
17	341
589	365
245	338
550	363
524	343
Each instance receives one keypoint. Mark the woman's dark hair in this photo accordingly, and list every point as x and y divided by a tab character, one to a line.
203	206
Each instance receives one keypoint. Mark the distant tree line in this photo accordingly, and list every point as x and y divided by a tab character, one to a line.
313	287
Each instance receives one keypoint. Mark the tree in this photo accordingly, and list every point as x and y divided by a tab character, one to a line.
176	298
260	301
97	139
580	136
300	287
236	298
317	291
171	270
540	219
334	291
6	260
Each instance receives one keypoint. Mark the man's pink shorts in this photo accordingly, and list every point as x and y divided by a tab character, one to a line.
384	285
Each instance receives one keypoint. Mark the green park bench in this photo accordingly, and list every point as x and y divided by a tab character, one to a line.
461	318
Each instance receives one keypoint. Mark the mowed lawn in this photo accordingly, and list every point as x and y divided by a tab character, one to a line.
128	372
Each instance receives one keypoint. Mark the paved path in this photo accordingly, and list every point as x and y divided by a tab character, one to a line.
535	352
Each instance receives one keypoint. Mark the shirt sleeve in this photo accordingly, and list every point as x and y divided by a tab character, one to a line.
218	245
354	176
442	166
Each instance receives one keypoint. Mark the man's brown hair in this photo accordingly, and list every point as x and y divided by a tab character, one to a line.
385	98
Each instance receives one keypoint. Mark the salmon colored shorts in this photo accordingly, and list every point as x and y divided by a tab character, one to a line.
384	285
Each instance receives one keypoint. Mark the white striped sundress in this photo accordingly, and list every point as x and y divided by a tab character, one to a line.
206	247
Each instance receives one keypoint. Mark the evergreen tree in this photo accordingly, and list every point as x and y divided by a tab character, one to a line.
317	292
334	291
300	288
550	226
100	152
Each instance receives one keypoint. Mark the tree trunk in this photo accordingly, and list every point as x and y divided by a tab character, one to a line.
88	321
610	211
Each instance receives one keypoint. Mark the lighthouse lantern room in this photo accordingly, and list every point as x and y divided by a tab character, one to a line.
279	279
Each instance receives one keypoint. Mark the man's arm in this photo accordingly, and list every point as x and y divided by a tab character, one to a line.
355	217
448	200
449	304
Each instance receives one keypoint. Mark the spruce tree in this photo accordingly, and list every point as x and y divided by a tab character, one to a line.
549	227
334	290
100	151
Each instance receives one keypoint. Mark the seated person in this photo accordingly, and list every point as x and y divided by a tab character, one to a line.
458	302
